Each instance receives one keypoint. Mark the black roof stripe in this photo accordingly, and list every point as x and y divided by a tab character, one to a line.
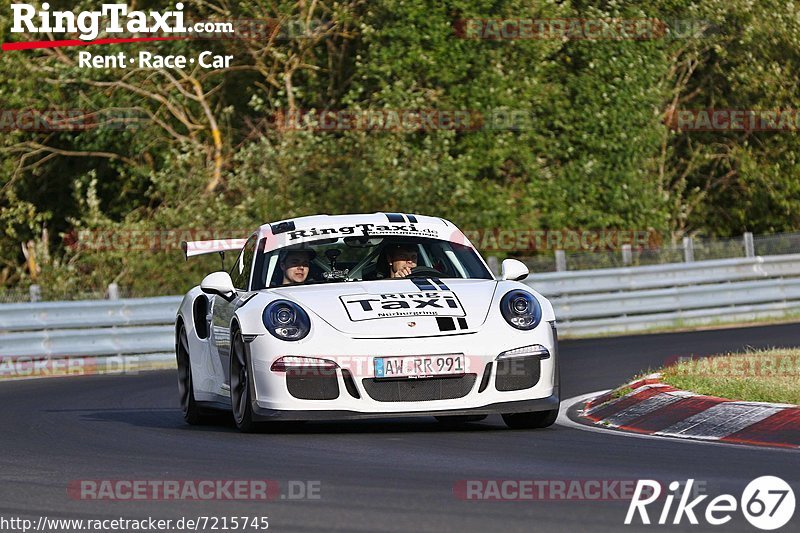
440	283
411	218
423	284
395	217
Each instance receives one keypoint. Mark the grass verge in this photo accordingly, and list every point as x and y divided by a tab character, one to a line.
759	376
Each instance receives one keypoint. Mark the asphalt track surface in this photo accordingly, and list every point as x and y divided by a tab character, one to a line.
374	475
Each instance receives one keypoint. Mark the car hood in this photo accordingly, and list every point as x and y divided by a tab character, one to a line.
398	308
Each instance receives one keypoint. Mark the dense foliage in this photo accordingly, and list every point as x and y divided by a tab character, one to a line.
592	144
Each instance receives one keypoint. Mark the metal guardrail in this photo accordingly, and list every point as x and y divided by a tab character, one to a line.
693	318
89	342
134	326
635	303
589	302
623	300
88	313
553	284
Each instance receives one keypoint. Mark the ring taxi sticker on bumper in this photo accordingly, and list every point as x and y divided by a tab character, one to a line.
389	305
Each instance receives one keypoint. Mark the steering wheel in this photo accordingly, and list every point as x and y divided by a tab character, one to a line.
424	271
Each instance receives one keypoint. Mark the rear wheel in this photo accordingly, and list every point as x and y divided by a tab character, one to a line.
240	385
191	410
533	420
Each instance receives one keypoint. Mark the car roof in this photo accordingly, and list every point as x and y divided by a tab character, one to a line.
312	221
311	228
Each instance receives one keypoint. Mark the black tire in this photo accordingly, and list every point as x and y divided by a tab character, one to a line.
241	405
457	420
192	413
533	420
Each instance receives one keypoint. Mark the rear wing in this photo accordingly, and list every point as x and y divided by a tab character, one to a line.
193	248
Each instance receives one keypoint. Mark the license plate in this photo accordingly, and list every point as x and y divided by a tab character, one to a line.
419	366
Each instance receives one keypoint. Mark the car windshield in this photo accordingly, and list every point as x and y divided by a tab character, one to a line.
365	259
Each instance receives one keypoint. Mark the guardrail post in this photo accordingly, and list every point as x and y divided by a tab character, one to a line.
113	291
627	255
35	292
561	261
749	247
494	264
688	249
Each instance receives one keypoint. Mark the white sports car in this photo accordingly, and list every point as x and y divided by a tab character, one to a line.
365	316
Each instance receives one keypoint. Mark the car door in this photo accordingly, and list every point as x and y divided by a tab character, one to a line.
223	310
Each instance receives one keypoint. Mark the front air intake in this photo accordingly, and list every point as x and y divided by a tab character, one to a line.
517	373
487	374
312	384
419	390
350	384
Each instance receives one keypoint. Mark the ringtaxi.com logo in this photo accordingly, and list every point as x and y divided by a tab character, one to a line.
767	502
89	25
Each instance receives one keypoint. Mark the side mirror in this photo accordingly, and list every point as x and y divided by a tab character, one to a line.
513	270
218	283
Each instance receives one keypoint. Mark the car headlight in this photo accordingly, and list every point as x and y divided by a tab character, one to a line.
286	320
521	309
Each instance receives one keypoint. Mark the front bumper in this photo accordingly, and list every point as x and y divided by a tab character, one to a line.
350	391
263	414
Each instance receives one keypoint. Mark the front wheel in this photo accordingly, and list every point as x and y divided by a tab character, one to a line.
533	420
240	385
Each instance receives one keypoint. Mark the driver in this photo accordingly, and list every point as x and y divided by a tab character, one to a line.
402	260
295	265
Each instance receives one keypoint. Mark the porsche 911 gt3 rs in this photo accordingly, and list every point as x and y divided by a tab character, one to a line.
353	340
